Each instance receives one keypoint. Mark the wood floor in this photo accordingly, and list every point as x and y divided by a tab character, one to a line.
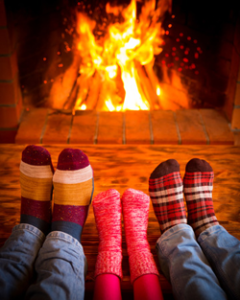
121	167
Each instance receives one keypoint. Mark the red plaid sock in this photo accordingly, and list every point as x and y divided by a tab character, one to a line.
198	185
166	192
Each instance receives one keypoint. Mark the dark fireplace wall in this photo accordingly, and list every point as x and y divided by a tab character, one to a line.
207	30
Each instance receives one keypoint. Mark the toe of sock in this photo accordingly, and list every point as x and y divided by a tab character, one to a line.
36	155
134	199
72	159
106	198
198	165
165	168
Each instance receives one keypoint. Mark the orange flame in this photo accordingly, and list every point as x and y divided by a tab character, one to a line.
116	59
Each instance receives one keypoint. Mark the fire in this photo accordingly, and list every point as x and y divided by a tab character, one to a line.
116	70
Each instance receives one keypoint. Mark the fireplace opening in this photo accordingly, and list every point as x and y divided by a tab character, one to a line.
122	55
70	50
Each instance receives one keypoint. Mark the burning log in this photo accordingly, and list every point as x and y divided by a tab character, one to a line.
146	87
93	94
64	84
109	98
154	81
83	84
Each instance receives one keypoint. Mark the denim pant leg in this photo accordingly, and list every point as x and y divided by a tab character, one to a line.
17	258
60	267
184	264
223	252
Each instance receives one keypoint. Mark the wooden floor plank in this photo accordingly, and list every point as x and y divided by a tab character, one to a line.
31	126
57	128
128	166
84	127
217	127
110	128
190	127
137	127
164	127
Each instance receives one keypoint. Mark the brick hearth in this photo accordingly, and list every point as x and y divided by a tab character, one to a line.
190	127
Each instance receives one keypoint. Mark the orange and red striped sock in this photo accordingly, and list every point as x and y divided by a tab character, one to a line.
36	173
73	190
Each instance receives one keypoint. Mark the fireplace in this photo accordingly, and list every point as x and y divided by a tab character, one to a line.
195	64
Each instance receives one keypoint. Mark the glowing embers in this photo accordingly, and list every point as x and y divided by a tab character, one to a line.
116	70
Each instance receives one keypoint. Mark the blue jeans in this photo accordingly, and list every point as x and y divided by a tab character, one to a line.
37	268
206	268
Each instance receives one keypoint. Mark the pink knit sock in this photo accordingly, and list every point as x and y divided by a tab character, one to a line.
135	215
107	212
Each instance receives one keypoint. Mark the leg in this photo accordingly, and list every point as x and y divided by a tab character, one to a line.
19	253
143	270
107	212
17	258
61	263
223	252
221	249
60	267
184	264
180	256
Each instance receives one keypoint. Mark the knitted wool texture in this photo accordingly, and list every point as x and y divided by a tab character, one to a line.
135	214
36	172
166	192
107	212
198	186
73	187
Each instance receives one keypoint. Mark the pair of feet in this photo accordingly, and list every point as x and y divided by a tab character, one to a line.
108	207
166	189
73	188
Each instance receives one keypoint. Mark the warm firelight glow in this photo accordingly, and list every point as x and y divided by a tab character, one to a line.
115	72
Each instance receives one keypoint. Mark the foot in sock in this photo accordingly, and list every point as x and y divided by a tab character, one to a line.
36	173
107	211
166	192
73	189
198	185
135	215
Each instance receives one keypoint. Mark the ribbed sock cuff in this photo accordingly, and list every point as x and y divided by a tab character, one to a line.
109	263
39	223
142	263
70	228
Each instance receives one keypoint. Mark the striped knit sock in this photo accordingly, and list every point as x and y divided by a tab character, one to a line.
36	173
73	189
135	216
166	192
198	185
107	211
